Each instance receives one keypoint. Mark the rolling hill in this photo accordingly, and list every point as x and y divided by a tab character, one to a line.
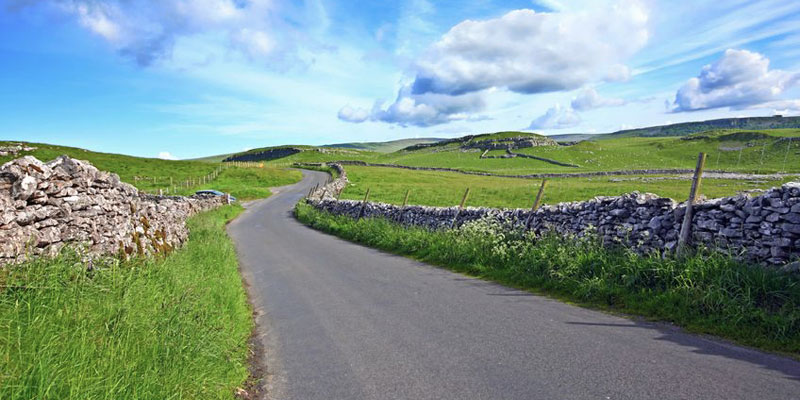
687	128
384	147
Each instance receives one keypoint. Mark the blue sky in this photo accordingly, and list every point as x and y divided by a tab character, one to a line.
183	78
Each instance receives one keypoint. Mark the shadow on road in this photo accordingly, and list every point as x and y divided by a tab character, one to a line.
713	347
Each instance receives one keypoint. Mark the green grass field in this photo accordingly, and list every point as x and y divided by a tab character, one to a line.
759	152
729	150
434	188
705	293
250	183
171	328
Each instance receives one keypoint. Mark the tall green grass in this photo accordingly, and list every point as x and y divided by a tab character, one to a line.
706	292
168	328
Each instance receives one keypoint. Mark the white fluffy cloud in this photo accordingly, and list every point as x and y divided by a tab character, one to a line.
589	99
530	52
165	155
428	109
418	110
556	117
147	31
522	51
355	115
739	79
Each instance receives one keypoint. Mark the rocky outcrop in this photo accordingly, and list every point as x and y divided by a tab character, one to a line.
510	143
485	142
46	206
14	149
765	228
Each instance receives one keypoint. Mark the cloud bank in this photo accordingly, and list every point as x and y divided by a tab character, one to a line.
165	155
739	79
529	52
589	99
147	31
522	51
556	117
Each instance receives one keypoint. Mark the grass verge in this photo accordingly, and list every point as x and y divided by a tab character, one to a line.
168	328
704	293
251	183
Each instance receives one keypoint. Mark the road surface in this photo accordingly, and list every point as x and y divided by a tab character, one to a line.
342	321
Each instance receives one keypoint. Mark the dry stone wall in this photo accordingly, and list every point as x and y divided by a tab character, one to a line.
46	206
765	228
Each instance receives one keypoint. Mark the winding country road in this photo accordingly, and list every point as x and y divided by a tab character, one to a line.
341	321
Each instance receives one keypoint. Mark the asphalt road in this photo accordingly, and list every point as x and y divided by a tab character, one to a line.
341	321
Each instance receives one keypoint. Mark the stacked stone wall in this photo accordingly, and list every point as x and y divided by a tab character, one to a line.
764	228
46	206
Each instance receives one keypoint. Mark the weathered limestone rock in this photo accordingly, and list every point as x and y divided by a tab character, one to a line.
44	206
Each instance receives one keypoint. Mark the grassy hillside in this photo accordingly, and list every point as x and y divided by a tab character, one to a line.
152	174
743	151
731	150
128	168
384	147
687	128
212	159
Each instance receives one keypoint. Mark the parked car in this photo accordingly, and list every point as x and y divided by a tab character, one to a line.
210	192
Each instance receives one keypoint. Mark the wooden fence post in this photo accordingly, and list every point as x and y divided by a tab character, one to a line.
363	205
460	207
686	226
536	204
405	199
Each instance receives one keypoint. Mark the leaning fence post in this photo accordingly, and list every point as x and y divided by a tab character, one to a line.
536	203
686	226
405	199
460	207
363	205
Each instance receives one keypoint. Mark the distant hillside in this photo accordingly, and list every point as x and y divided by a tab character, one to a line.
384	147
575	137
688	128
212	159
474	140
145	173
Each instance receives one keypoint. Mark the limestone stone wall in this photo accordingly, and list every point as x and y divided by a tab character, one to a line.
764	228
66	201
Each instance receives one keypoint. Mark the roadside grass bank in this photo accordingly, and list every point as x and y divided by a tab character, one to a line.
704	293
175	327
